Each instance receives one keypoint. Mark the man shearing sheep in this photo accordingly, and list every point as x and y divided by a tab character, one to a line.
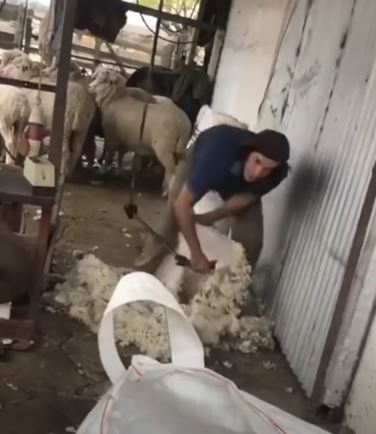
239	165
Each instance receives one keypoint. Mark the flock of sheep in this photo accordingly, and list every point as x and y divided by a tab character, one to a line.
132	119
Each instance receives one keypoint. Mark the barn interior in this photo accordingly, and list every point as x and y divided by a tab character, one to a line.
49	362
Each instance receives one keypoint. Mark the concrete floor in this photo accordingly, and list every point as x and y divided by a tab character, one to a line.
50	389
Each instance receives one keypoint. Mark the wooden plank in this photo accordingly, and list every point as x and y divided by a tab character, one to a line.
14	188
16	329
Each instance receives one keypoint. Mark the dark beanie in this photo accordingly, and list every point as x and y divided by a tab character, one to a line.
273	145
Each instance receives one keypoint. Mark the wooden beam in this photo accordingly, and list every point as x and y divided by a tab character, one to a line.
58	117
169	17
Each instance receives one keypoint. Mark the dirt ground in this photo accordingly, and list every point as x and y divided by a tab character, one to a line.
50	389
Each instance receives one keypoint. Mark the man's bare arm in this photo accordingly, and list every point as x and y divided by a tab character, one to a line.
233	206
183	209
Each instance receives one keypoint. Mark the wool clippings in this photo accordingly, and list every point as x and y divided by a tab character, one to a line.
215	304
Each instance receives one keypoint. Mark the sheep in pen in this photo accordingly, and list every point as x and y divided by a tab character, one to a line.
134	120
16	105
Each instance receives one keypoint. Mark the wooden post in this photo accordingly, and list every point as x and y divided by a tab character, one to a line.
196	33
58	120
216	53
18	37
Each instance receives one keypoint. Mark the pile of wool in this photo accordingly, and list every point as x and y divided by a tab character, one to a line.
213	302
86	292
217	300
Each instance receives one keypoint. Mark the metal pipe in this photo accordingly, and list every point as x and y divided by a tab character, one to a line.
2	6
26	84
156	36
216	53
196	34
169	17
26	9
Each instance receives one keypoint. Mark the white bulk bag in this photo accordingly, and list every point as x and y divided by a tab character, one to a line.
208	118
178	398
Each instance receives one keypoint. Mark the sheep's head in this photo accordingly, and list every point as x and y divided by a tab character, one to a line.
107	76
10	56
106	83
18	65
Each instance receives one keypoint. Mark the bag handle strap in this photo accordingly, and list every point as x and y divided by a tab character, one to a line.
186	348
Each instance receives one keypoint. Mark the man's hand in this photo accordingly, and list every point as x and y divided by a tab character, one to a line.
201	264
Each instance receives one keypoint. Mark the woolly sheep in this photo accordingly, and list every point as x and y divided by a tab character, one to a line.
15	106
166	130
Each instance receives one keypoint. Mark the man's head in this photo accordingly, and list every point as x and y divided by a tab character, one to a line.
268	150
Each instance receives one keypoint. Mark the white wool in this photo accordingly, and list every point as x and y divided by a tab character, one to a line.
215	306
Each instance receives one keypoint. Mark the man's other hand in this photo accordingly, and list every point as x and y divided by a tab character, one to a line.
201	264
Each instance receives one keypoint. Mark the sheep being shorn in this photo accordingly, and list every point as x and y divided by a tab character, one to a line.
130	124
15	106
213	303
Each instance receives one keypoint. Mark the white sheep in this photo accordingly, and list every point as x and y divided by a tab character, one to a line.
15	57
15	106
166	127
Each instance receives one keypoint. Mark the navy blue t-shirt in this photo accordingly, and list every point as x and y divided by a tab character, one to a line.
219	156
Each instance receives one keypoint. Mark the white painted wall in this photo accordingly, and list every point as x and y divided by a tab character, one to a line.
252	36
360	409
322	96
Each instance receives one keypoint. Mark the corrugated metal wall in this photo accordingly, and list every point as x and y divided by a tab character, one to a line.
355	321
323	96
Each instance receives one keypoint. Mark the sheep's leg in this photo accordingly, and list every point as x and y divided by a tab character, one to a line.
111	146
89	147
76	145
111	143
66	156
101	157
109	156
167	161
9	142
169	175
166	184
